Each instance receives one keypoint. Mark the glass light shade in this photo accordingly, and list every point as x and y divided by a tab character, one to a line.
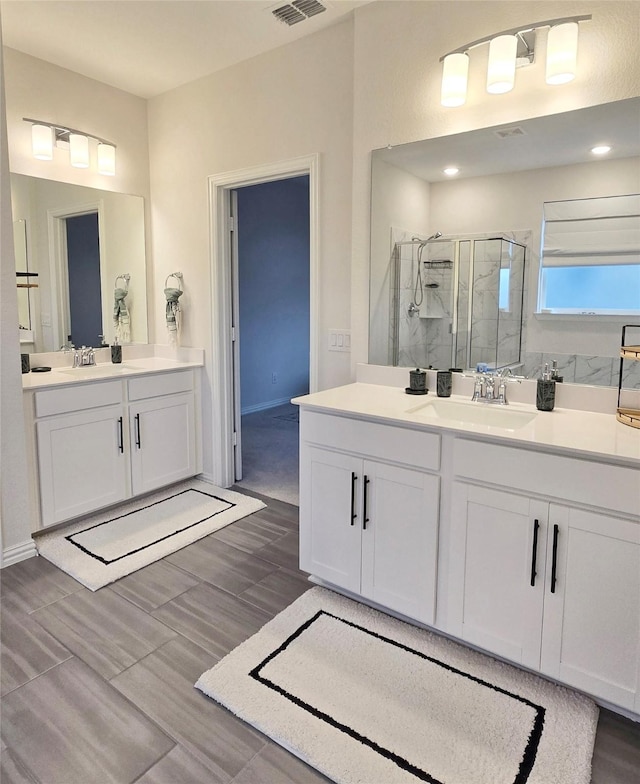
106	159
42	142
562	53
501	71
79	150
455	69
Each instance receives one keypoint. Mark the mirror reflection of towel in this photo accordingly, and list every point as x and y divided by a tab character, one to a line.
121	320
173	315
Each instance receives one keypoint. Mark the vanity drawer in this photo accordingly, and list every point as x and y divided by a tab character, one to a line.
76	398
161	384
555	476
414	448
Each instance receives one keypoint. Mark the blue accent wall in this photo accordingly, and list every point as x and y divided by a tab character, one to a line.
273	261
85	298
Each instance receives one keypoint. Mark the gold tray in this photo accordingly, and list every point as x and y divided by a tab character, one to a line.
630	352
629	416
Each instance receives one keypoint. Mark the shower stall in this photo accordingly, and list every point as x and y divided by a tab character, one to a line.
455	301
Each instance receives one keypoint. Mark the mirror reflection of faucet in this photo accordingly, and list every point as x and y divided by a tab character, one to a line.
83	357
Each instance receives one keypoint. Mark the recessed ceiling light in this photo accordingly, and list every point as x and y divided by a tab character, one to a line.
451	171
601	149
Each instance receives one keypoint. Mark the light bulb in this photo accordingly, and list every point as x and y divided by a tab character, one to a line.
106	159
79	150
501	71
455	69
42	142
562	53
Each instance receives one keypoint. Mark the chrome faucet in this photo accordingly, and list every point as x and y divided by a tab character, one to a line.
491	386
84	356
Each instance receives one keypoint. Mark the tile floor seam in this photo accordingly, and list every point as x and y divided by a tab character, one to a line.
44	672
149	612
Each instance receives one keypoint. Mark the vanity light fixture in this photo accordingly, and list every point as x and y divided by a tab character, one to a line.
513	49
44	135
601	149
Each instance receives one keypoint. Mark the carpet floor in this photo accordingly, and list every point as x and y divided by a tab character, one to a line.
113	543
363	697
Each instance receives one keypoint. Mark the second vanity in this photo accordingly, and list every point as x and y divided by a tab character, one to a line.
104	433
518	535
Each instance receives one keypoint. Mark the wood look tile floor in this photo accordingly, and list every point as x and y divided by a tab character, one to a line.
97	688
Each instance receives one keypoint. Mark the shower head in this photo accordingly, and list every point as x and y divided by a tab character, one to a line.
434	236
422	243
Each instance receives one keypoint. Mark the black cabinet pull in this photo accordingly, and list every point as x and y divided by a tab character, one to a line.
534	555
354	479
137	418
120	435
554	562
365	517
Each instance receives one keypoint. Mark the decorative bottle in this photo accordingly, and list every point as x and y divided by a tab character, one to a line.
546	391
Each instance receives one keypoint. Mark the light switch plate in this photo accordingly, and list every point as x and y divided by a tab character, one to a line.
339	340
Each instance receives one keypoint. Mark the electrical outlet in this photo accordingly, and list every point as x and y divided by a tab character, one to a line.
274	378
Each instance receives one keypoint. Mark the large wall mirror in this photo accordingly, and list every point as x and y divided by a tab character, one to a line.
82	244
455	259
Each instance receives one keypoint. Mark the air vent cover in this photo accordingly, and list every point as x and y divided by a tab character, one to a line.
507	133
298	11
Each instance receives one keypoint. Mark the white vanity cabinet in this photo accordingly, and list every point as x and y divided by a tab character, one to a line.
81	450
100	442
369	523
544	582
162	431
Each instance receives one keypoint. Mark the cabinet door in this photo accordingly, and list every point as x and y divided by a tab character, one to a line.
163	446
591	633
496	581
330	516
82	463
400	539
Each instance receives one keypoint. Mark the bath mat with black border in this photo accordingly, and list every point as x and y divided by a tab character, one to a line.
111	544
363	697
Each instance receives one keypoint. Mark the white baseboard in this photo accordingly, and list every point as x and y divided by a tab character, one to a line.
264	406
19	552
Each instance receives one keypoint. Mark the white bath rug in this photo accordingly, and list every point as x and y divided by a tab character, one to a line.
367	699
113	543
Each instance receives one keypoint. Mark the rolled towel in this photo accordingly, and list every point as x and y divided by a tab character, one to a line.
173	315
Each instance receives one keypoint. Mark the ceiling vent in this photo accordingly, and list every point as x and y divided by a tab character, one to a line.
298	11
507	133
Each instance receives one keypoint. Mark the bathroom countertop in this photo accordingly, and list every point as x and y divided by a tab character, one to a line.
563	430
104	371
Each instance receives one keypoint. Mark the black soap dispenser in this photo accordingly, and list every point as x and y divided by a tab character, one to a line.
546	391
116	352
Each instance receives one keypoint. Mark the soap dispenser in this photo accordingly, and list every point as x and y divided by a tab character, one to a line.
116	352
546	391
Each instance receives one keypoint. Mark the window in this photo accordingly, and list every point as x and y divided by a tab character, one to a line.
590	259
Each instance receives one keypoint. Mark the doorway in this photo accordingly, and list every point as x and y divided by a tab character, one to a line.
220	416
271	277
83	275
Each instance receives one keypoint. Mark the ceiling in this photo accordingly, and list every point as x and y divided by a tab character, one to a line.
147	47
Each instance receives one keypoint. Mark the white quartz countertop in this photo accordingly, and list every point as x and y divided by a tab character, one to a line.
579	433
104	371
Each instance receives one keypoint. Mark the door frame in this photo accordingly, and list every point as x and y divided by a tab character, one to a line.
221	360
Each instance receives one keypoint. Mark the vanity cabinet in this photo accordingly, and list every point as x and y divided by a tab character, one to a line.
547	584
99	443
367	525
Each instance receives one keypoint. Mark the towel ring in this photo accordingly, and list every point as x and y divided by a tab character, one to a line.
124	277
177	275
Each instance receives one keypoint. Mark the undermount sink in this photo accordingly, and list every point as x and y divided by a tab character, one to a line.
468	413
95	371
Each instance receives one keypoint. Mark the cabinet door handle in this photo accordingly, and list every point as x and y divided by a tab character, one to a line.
137	420
365	516
534	555
354	479
554	562
120	435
